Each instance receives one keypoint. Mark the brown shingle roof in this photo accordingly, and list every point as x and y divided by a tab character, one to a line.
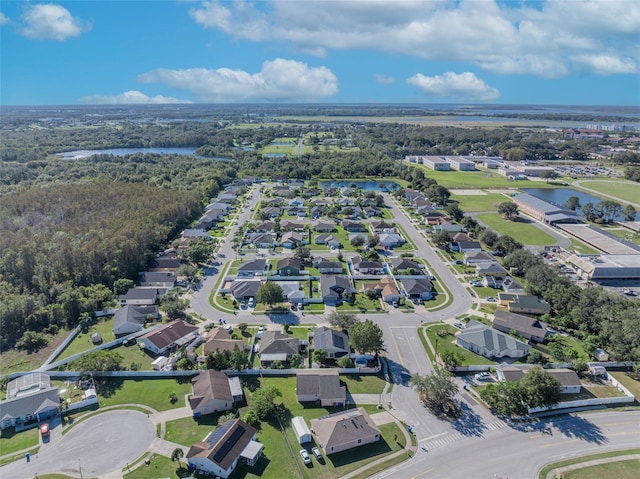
169	333
343	427
209	385
219	339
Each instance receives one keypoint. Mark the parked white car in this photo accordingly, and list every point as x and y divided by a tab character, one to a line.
305	456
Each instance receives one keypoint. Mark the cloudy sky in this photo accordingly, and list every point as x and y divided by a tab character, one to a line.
408	51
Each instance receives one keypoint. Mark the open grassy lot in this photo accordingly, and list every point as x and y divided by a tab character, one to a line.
469	179
523	232
82	342
471	203
624	190
11	441
620	470
549	467
150	392
363	384
18	360
362	304
187	431
445	342
628	382
160	466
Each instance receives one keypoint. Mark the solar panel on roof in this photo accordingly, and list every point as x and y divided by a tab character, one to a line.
218	433
228	444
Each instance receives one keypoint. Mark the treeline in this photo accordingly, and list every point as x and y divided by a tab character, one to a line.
62	247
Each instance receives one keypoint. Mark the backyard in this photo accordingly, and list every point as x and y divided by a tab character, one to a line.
82	342
150	392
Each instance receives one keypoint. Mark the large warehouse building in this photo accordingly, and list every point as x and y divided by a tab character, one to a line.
607	267
543	211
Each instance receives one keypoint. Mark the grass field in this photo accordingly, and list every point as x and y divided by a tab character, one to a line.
473	203
628	382
620	470
525	233
624	190
470	179
11	441
555	465
82	342
159	466
150	392
19	360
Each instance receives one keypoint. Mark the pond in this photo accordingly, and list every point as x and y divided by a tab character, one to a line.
82	154
365	185
282	143
559	196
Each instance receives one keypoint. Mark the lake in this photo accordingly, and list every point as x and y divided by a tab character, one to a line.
365	185
559	196
82	154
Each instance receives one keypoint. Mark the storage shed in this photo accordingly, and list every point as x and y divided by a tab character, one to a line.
301	429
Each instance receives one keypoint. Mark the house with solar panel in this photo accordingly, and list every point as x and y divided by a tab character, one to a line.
219	453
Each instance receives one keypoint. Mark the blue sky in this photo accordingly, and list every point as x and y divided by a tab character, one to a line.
449	51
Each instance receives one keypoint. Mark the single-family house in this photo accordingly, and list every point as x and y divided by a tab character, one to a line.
253	268
328	239
171	335
218	205
219	340
354	226
265	227
333	287
299	211
214	391
382	227
390	240
275	346
385	288
404	265
510	285
289	267
466	246
296	202
219	453
365	266
140	296
531	329
371	211
474	257
324	227
272	211
166	264
321	386
334	342
245	289
489	342
345	430
214	215
292	291
291	240
411	195
418	288
325	266
228	198
131	318
568	379
30	398
161	279
315	212
492	274
524	303
261	240
287	225
281	191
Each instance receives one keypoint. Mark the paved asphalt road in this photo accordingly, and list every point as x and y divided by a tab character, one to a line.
100	444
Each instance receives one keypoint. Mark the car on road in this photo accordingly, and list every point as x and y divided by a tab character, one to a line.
305	456
44	429
483	376
316	452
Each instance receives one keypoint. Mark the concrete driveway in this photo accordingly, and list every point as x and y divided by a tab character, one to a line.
98	445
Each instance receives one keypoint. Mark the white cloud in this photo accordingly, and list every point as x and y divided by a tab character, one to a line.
384	79
605	64
51	22
538	38
132	97
4	20
464	86
279	79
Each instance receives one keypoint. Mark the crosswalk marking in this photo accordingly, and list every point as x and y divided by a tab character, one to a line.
450	438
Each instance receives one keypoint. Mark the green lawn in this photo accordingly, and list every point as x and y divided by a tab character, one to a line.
302	331
446	342
11	441
362	304
483	292
621	232
82	342
160	466
525	233
187	431
472	179
624	190
578	460
150	392
628	382
620	470
472	203
363	384
134	354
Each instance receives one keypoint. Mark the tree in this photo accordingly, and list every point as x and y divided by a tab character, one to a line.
451	358
238	359
357	241
188	271
217	361
436	390
488	237
174	307
540	388
629	213
177	454
454	211
373	240
200	251
32	341
589	211
342	320
263	402
295	361
508	209
243	327
103	360
549	175
366	337
122	285
345	362
319	356
573	203
536	357
269	293
506	398
441	238
506	245
303	253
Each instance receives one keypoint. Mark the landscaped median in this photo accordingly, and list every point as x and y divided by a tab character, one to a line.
623	464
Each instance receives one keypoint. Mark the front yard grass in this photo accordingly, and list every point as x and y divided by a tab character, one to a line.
362	304
446	342
150	392
11	441
524	232
363	384
159	466
187	431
